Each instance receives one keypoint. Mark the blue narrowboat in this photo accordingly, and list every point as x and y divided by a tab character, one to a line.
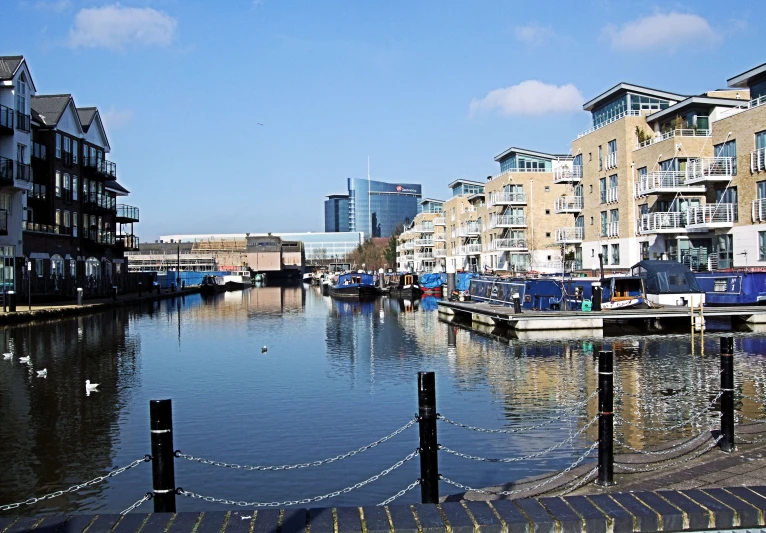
732	288
354	285
538	294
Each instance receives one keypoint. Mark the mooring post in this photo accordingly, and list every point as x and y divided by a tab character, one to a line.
139	288
727	394
163	468
605	418
429	459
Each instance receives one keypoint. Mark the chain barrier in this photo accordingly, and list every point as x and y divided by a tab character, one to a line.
752	399
305	501
581	482
147	496
759	420
530	489
516	459
740	440
329	460
686	422
667	451
400	493
75	488
631	470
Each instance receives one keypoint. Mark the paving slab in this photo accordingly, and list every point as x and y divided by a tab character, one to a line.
458	518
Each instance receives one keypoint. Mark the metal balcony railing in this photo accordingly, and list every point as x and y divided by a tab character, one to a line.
615	118
422	256
759	210
610	161
710	169
758	160
6	119
709	216
127	241
102	166
3	222
507	198
611	229
23	172
470	229
23	122
56	229
103	201
507	221
6	170
568	204
440	252
685	132
567	174
611	195
509	244
127	213
471	249
440	237
440	221
662	222
666	181
424	242
568	235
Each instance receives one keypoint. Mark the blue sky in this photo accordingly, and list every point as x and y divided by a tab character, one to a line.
431	91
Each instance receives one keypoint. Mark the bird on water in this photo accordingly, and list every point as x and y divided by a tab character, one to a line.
264	349
24	359
8	355
90	387
42	373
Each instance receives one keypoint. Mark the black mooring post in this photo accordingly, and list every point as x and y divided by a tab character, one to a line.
727	394
163	469
429	459
605	419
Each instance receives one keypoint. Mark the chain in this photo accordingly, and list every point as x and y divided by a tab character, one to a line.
530	489
667	451
756	441
75	488
677	426
756	400
304	501
147	496
580	483
400	493
515	459
299	465
740	415
666	465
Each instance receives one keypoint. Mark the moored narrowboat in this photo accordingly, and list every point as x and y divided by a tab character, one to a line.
734	287
353	285
403	286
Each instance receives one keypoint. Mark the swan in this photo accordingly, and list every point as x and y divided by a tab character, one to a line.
90	387
8	355
42	373
24	359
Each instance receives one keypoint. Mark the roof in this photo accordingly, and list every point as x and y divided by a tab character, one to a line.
694	101
9	65
342	195
629	87
112	184
533	153
431	200
458	181
86	115
475	196
50	107
741	80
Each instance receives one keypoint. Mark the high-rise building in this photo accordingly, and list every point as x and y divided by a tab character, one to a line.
374	208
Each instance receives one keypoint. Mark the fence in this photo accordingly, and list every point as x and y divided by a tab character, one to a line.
163	453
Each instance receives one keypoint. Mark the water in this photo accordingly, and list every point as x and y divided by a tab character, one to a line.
336	376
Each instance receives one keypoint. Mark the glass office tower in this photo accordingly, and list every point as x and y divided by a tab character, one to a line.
336	213
377	208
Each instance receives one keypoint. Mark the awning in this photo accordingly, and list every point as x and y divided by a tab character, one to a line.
38	255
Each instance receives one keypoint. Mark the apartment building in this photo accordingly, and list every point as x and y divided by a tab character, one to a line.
422	246
462	234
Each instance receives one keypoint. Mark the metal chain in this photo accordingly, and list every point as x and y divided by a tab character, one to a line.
756	400
515	459
75	488
745	441
666	465
304	501
740	415
400	493
668	450
580	483
677	426
147	496
329	460
530	489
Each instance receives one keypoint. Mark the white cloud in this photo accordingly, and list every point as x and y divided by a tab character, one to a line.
531	97
668	31
533	34
57	6
115	119
115	27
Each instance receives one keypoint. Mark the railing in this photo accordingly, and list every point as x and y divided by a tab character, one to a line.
100	165
686	132
515	170
23	172
720	215
100	200
557	266
710	168
629	113
409	245
509	244
611	195
571	234
127	212
662	222
469	229
420	256
567	174
440	252
665	181
759	210
3	222
102	236
440	221
568	204
756	102
440	237
500	198
611	229
470	249
758	160
423	229
610	161
6	117
424	242
408	257
127	241
507	221
22	122
56	229
6	170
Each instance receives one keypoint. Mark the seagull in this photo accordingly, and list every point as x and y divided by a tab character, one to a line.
90	387
8	355
264	350
24	359
42	373
259	123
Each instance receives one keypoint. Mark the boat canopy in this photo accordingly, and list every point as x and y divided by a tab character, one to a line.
665	277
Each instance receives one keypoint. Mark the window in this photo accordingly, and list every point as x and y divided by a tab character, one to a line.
21	97
762	245
75	151
39	151
728	149
58	146
600	158
605	254
57	265
645	251
68	146
73	268
603	223
643	209
21	153
591	221
5	202
590	156
58	184
728	196
612	147
591	188
74	226
547	211
67	182
592	252
58	217
615	254
74	187
547	188
67	220
85	186
39	267
602	189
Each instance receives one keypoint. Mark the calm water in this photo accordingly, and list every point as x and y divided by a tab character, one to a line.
336	376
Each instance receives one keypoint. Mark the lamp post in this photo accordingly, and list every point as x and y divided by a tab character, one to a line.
178	266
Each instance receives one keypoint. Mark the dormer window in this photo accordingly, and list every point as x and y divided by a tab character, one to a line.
21	97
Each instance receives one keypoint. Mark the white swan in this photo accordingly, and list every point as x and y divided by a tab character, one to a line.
42	373
90	387
24	359
8	355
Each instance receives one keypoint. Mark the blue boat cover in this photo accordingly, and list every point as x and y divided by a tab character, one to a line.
463	280
432	281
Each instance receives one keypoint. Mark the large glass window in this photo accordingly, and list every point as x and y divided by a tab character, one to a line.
757	90
610	111
602	189
21	97
762	245
58	146
728	196
612	146
727	149
603	223
615	254
760	140
605	253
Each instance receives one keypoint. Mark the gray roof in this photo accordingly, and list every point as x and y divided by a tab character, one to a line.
533	153
50	107
9	65
707	101
461	180
86	115
629	87
431	201
741	80
112	184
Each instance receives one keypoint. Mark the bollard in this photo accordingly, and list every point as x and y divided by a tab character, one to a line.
183	285
727	394
11	301
79	295
429	459
163	469
172	287
139	289
114	293
596	296
516	303
605	419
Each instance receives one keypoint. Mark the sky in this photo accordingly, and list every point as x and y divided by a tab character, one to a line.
242	115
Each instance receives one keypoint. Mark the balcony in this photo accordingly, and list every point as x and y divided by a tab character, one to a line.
710	169
101	236
440	221
408	257
568	204
439	253
423	229
508	221
470	230
102	201
708	217
23	122
567	174
610	161
758	160
509	245
611	195
23	172
55	229
424	256
126	213
6	120
759	210
610	230
470	249
6	171
507	198
571	235
95	167
3	222
629	113
424	242
128	242
440	237
409	245
686	132
666	181
662	222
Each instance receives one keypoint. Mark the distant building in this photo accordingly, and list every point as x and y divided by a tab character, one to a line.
374	208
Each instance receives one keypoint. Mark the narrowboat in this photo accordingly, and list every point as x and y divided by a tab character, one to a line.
353	285
237	280
403	286
669	283
732	287
211	285
535	294
623	292
431	284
